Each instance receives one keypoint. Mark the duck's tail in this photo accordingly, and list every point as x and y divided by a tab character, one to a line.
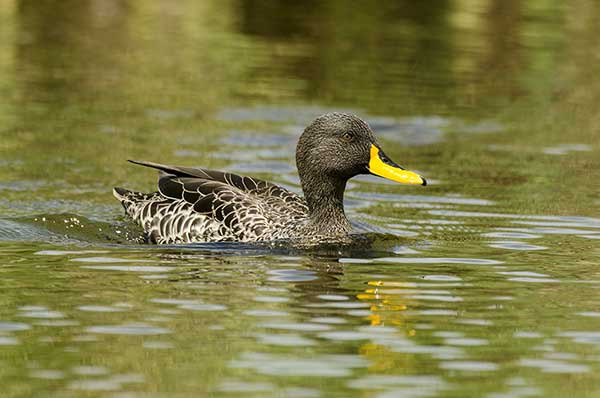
121	193
132	201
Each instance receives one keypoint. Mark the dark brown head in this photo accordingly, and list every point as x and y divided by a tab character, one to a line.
339	146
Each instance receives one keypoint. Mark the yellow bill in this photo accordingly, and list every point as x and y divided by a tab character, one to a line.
382	166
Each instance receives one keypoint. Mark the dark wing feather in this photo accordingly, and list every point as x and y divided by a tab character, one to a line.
240	182
204	181
188	188
218	201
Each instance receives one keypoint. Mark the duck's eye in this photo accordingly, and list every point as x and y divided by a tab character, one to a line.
347	137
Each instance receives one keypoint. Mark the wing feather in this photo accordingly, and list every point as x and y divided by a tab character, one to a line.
204	180
202	204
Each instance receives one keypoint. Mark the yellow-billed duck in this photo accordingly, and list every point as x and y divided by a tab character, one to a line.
200	205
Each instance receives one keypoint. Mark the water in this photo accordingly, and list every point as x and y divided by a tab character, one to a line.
483	284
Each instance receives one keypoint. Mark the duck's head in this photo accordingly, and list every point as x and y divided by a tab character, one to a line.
338	146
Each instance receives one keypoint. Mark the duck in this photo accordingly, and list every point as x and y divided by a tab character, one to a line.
197	205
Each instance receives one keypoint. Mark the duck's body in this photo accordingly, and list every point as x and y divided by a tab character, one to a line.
198	205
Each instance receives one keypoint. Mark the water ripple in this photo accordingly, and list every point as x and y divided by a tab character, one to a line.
377	382
108	260
533	280
282	365
470	366
292	275
67	252
266	313
515	245
47	374
13	326
130	268
99	308
8	340
203	307
523	273
420	198
137	329
589	221
510	235
465	341
554	366
422	260
289	340
244	387
306	327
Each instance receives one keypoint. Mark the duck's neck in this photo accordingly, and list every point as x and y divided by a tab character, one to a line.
325	199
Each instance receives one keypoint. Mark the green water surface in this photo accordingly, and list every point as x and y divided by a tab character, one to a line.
486	283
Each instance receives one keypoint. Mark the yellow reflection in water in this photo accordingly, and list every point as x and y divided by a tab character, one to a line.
387	308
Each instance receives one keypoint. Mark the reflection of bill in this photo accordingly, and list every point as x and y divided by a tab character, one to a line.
388	306
388	303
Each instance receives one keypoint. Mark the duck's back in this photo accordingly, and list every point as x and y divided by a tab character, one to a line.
198	205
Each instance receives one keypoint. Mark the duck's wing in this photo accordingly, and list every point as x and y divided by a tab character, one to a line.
194	184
